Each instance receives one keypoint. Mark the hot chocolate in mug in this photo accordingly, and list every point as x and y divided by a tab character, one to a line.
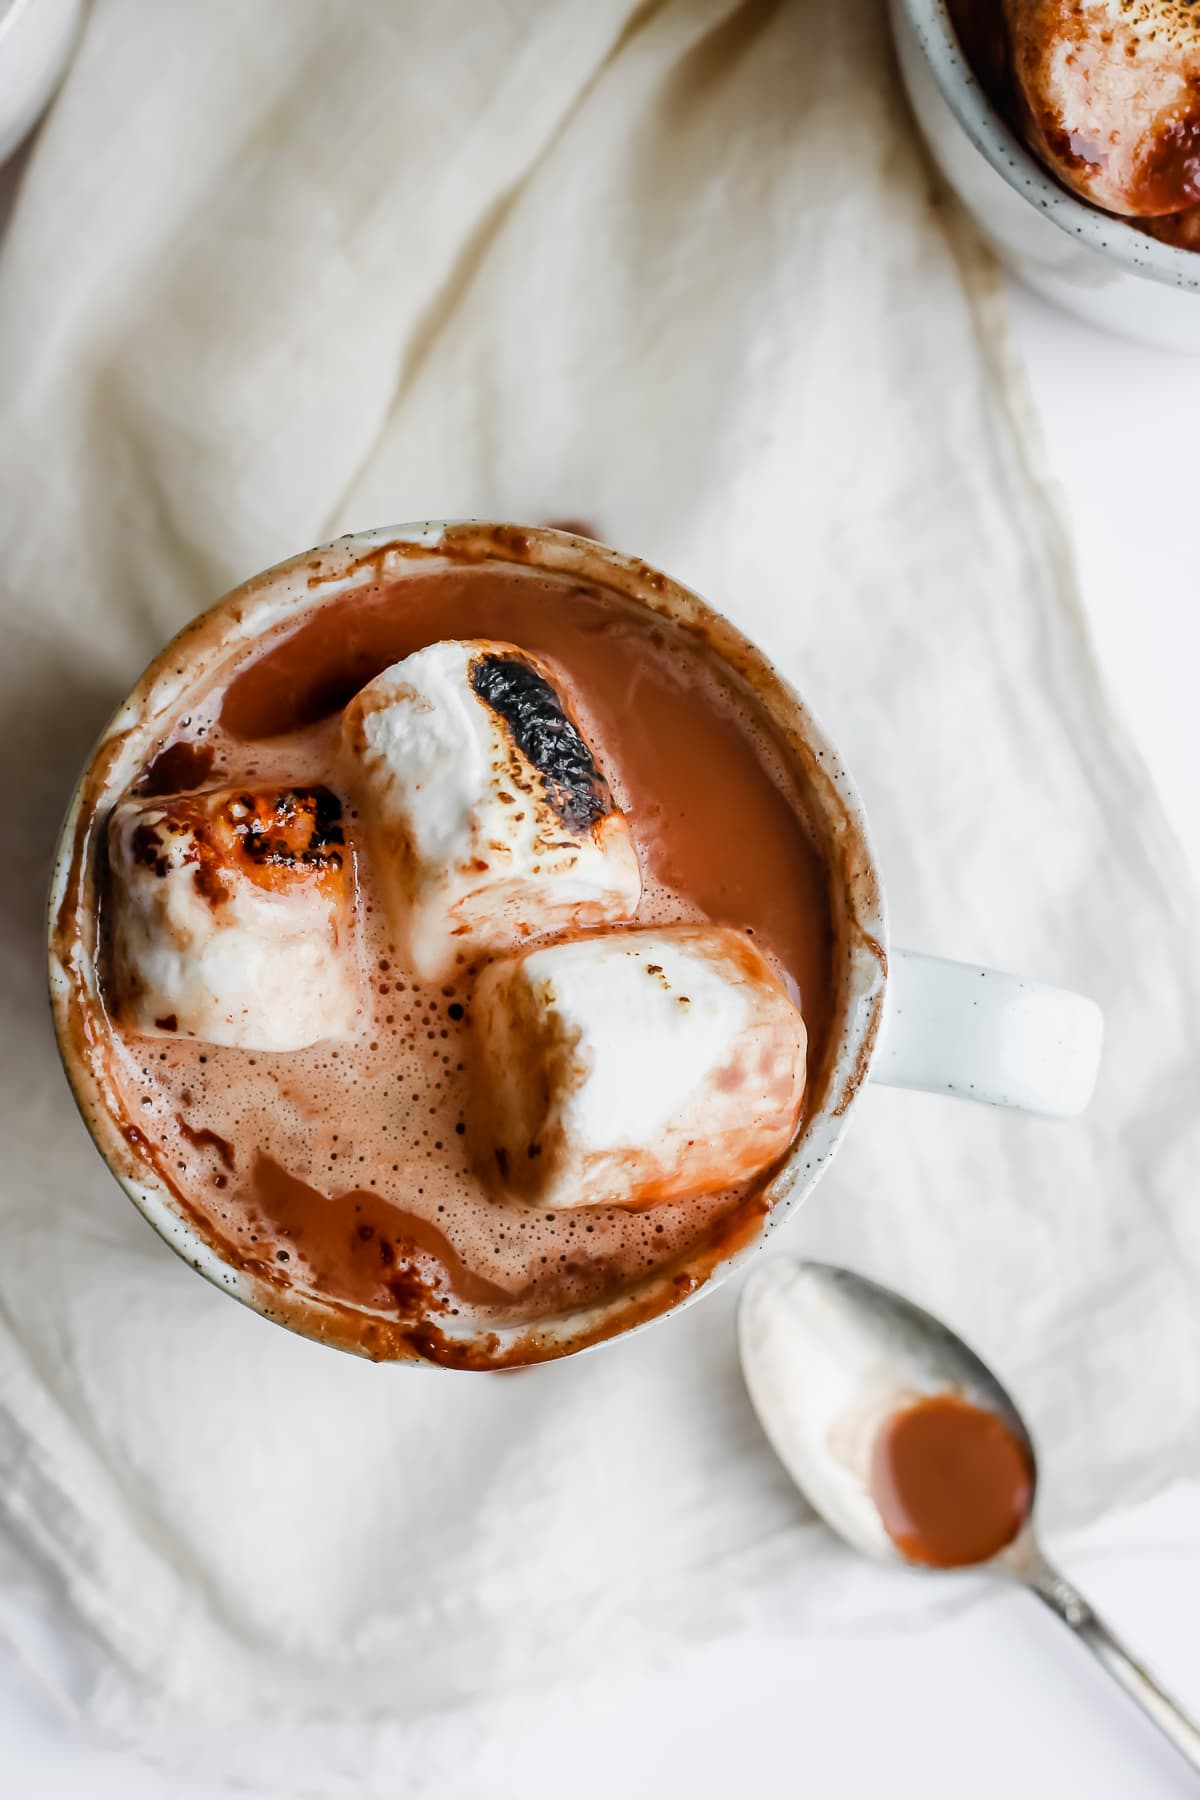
389	1251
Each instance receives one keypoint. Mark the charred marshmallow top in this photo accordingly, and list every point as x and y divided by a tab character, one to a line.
488	817
232	917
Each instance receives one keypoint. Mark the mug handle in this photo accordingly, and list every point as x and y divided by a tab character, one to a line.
979	1034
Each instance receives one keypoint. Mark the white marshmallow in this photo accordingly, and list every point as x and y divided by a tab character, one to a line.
232	918
635	1066
488	818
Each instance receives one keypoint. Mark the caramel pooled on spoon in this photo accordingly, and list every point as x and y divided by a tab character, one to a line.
952	1483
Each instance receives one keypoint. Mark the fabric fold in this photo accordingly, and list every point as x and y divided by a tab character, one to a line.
676	271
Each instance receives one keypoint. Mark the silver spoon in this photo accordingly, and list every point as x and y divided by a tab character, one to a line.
828	1357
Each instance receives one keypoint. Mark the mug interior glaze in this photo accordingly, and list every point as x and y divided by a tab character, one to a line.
284	598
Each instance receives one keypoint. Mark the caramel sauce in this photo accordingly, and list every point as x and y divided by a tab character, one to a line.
952	1483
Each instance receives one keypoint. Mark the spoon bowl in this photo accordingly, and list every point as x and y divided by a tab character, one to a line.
828	1357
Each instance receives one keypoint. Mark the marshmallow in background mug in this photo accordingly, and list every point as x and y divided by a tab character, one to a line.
231	916
484	807
634	1066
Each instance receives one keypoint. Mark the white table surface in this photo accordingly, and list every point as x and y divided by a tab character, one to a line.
996	1700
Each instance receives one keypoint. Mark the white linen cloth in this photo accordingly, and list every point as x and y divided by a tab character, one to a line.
282	268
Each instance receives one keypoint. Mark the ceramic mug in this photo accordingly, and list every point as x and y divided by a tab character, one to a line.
1100	268
901	1018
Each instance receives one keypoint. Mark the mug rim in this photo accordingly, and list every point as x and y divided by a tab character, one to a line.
1110	235
303	583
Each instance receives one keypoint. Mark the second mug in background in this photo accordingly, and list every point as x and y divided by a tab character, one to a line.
1100	267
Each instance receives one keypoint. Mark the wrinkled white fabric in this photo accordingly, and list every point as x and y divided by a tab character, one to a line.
287	268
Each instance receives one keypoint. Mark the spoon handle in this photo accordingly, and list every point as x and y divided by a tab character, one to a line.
1065	1600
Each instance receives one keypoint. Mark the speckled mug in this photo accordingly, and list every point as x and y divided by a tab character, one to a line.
904	1019
1096	266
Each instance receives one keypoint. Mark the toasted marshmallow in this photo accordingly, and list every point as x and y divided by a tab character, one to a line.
232	918
635	1066
486	812
1109	97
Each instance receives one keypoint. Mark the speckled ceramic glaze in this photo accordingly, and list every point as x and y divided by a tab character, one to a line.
1094	265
